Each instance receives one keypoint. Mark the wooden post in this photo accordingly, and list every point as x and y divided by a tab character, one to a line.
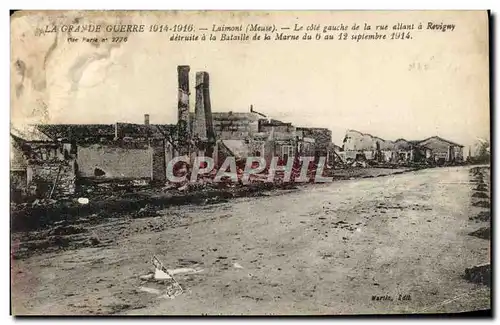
55	181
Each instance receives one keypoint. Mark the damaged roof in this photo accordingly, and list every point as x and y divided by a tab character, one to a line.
29	133
441	139
95	132
77	131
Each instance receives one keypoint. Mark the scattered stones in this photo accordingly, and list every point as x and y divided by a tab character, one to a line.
484	233
93	241
482	204
480	195
65	230
481	188
254	298
481	216
484	216
479	274
145	212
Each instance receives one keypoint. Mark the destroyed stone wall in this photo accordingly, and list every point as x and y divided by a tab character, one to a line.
284	148
307	148
388	155
269	150
17	158
117	162
357	141
257	148
18	184
159	161
321	136
42	176
268	126
235	126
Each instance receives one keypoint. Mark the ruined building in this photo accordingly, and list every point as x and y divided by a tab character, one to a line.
66	155
358	145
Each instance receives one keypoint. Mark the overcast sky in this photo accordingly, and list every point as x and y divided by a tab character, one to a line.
434	84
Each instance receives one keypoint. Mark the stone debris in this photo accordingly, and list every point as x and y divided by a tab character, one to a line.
484	233
484	216
63	230
145	212
482	204
43	202
481	188
481	216
480	195
479	274
83	200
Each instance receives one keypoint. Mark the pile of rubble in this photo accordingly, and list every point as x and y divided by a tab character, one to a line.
480	196
480	274
61	236
483	233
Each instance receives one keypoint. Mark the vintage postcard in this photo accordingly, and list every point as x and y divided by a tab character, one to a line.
250	162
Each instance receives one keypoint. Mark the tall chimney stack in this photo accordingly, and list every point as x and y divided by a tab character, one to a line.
208	109
200	129
203	124
183	132
146	119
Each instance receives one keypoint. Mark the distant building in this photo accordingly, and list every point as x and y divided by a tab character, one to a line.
269	138
443	150
358	145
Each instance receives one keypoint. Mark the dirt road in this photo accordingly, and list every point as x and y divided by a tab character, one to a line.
349	247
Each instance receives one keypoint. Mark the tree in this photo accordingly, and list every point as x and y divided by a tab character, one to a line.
484	151
481	152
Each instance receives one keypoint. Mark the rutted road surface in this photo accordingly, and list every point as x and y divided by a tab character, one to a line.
324	249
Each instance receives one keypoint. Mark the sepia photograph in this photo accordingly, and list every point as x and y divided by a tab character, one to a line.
244	163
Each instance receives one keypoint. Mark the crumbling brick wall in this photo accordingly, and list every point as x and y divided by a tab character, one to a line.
115	161
18	185
322	136
235	126
42	176
257	148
